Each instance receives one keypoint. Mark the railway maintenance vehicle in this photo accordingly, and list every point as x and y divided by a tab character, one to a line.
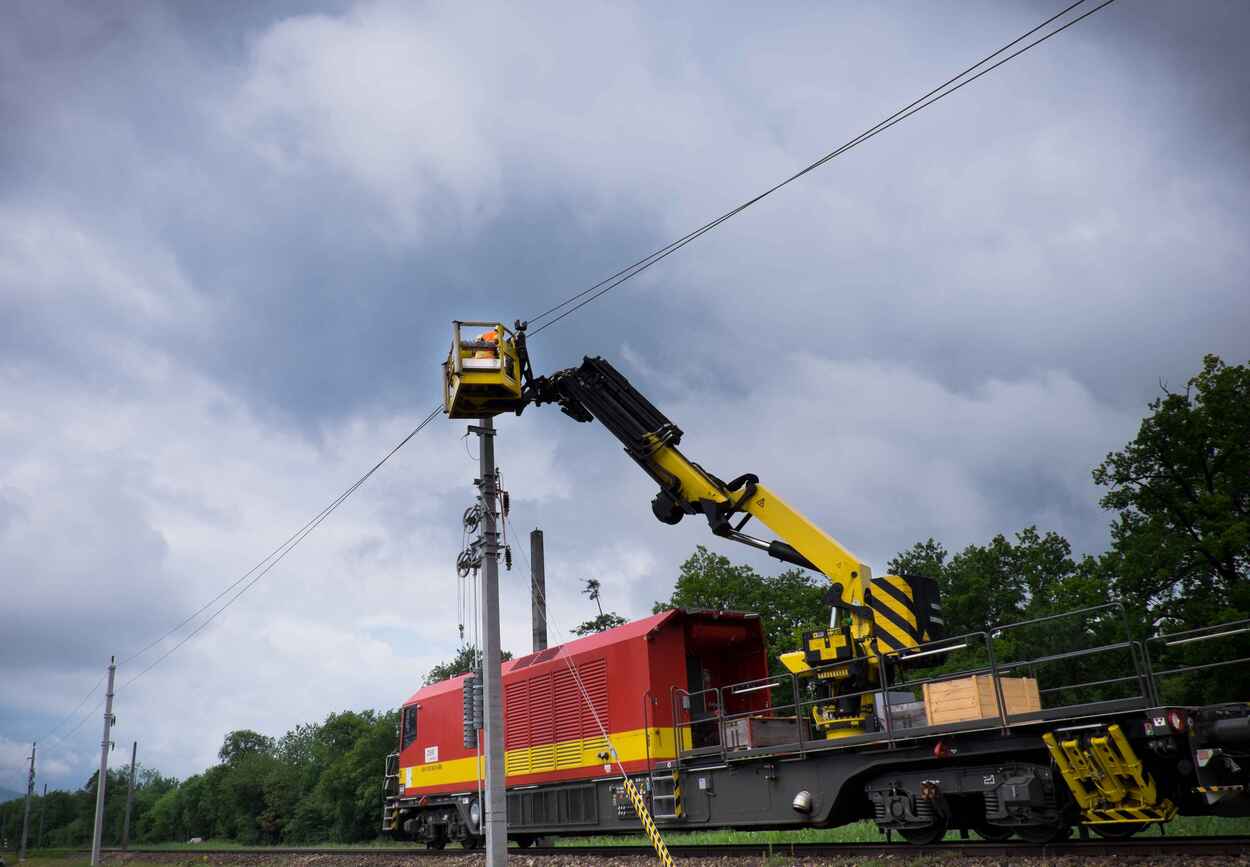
881	715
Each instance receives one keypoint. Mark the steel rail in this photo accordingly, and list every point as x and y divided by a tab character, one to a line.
1218	846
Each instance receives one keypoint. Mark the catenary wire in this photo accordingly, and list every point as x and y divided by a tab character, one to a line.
941	92
88	715
645	262
316	518
52	732
290	545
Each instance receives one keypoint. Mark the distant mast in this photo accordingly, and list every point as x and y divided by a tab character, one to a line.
538	591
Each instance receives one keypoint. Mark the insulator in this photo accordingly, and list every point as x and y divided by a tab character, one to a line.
470	559
507	503
507	557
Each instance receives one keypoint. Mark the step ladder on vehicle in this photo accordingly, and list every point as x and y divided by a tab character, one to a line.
390	792
666	800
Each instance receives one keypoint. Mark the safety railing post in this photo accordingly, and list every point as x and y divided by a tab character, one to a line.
720	723
1155	698
647	716
798	714
998	687
672	693
883	679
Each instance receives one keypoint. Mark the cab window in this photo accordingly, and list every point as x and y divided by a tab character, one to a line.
410	726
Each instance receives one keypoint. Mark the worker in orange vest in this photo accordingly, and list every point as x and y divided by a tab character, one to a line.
491	336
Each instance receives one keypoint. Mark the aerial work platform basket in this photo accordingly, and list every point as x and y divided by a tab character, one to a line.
482	373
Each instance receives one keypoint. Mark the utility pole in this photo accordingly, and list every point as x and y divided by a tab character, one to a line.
30	790
43	809
495	810
538	591
101	781
130	798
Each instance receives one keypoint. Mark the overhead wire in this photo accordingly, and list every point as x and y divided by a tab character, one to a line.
288	546
52	732
264	566
938	93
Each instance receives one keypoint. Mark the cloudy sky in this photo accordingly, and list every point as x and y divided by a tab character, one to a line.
232	237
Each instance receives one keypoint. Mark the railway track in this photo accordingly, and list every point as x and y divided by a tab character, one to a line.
1190	847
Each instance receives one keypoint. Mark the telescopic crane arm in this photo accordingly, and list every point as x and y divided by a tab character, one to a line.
595	390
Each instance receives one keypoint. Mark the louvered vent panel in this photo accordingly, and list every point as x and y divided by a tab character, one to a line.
516	716
569	754
517	762
542	759
568	703
542	724
594	675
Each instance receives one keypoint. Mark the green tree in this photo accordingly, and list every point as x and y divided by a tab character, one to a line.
604	620
241	743
468	658
789	603
1005	581
1010	581
1181	492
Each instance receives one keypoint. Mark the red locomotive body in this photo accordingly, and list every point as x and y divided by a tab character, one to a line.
550	734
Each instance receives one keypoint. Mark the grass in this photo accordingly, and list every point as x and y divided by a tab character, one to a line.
59	858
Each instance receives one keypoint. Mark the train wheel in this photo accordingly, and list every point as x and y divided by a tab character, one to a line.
525	842
993	833
1119	830
1040	834
472	841
437	843
926	836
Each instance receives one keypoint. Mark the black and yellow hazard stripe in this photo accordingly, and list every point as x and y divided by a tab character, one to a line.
677	808
1107	779
644	816
1161	812
894	612
1210	790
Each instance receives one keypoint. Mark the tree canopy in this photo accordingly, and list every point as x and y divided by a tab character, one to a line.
789	603
604	620
1181	493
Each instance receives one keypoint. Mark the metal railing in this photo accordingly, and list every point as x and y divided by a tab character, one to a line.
1187	638
701	723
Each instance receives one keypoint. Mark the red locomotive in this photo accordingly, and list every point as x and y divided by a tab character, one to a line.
551	735
713	740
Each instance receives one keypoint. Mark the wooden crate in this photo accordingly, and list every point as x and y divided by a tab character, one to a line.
749	733
972	698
